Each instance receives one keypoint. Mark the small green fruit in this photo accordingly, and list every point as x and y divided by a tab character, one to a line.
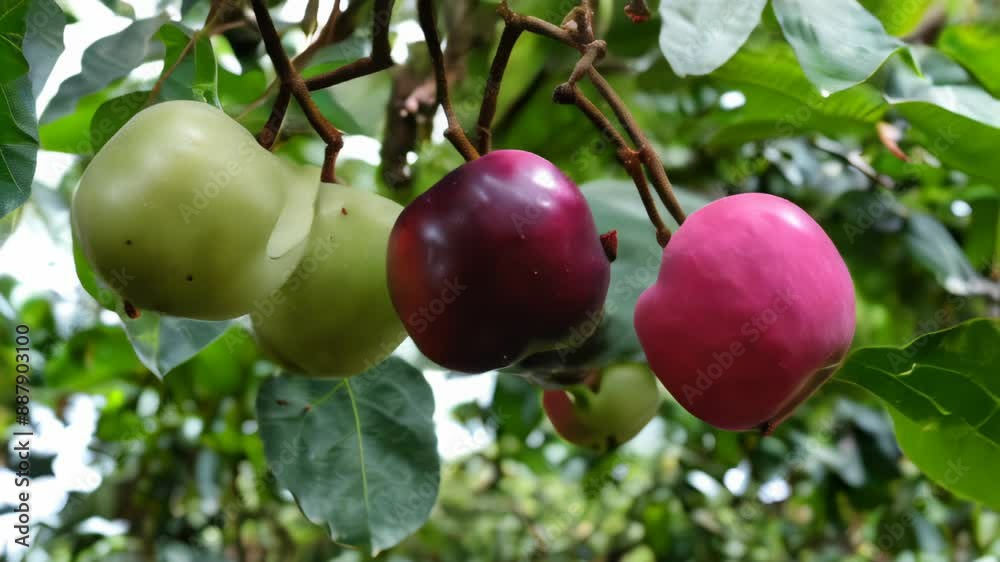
611	408
334	316
182	212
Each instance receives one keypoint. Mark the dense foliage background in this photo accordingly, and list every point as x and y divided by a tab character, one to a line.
817	106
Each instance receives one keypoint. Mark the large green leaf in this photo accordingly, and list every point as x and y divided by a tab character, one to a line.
781	101
838	43
43	40
359	454
195	76
698	36
943	391
959	123
107	60
975	46
616	206
12	29
164	342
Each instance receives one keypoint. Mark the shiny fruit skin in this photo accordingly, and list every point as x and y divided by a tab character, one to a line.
500	259
176	211
609	410
753	309
334	317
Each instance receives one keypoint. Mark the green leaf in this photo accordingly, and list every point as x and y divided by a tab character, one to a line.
107	60
781	101
699	36
982	239
975	46
43	40
838	43
92	358
899	18
18	143
943	391
112	115
933	247
12	29
71	133
195	77
616	206
359	454
958	123
8	225
163	342
516	408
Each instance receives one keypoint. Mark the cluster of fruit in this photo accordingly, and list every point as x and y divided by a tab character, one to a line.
500	260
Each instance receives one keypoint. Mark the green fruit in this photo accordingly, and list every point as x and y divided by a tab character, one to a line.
334	316
182	212
611	408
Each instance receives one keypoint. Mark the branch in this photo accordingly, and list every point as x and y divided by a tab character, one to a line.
577	32
292	80
379	59
455	133
488	110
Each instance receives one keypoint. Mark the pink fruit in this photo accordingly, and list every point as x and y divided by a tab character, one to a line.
752	311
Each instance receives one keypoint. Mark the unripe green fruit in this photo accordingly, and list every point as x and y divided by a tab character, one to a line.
611	407
334	316
182	212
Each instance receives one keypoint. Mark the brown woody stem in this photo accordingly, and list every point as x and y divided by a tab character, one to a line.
455	133
488	110
379	59
292	81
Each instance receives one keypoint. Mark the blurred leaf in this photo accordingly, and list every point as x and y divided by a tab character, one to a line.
838	43
43	40
107	60
699	36
359	454
195	76
163	342
8	224
958	123
899	18
975	46
982	241
616	206
780	101
112	115
93	358
933	247
71	133
943	391
516	408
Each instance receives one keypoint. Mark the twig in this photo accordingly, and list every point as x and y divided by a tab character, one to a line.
854	159
577	32
292	80
379	59
454	133
488	111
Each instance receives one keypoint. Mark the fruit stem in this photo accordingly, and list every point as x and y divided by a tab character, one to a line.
577	32
488	110
292	80
454	133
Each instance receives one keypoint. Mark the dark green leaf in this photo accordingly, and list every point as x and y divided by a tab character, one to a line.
107	60
699	36
43	41
932	246
112	115
18	143
359	454
838	43
195	76
516	408
12	29
943	391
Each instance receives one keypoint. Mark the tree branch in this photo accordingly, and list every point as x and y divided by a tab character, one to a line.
379	59
455	133
292	80
488	111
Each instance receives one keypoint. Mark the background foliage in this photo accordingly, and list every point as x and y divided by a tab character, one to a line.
813	100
